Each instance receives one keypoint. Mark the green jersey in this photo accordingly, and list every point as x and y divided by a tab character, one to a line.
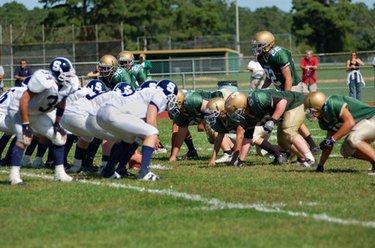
147	66
263	102
334	106
121	75
137	75
278	59
224	126
191	107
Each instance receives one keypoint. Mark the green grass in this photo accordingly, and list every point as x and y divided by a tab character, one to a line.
258	205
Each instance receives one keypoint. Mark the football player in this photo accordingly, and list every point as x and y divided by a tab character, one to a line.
133	119
190	112
7	98
272	107
216	117
136	71
40	109
344	117
237	108
80	119
281	72
110	73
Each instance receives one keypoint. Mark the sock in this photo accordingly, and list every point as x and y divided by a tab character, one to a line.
161	145
68	145
105	159
189	143
59	169
58	154
274	150
10	148
30	148
79	156
146	159
17	153
4	141
92	150
14	173
228	152
42	148
127	152
310	141
114	158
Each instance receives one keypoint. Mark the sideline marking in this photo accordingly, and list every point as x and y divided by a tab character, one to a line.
219	204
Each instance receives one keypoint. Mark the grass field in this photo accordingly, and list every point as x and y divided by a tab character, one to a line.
258	205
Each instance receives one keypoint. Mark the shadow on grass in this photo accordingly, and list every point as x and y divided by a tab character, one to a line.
326	171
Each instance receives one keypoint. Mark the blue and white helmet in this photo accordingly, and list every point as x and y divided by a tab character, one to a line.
170	90
148	84
62	69
124	88
97	86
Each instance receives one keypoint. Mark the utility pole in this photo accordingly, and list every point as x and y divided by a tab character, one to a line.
237	29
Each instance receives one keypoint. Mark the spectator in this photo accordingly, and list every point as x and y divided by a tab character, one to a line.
147	65
2	76
94	74
354	79
257	73
309	64
22	71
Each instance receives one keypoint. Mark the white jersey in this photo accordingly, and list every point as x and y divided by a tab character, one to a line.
8	97
80	93
90	103
48	94
137	103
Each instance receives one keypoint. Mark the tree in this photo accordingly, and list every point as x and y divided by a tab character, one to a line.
333	26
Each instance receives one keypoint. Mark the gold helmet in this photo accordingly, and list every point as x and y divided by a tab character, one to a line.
215	109
107	65
236	106
263	42
314	103
175	103
226	93
125	59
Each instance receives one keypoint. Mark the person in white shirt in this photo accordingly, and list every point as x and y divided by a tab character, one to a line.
257	75
2	76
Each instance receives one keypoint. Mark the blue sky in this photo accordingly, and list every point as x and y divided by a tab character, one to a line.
284	5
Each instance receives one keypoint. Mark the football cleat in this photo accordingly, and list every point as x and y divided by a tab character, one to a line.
26	161
37	163
188	155
62	177
281	159
315	150
306	162
371	172
18	182
160	151
226	158
149	177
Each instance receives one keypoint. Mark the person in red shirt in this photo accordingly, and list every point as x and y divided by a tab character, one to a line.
309	64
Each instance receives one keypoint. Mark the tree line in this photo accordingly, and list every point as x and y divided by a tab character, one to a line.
320	25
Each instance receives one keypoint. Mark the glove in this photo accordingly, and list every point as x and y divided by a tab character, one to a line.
27	133
58	129
268	126
320	168
327	143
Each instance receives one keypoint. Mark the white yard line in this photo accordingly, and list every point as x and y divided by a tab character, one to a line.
213	203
